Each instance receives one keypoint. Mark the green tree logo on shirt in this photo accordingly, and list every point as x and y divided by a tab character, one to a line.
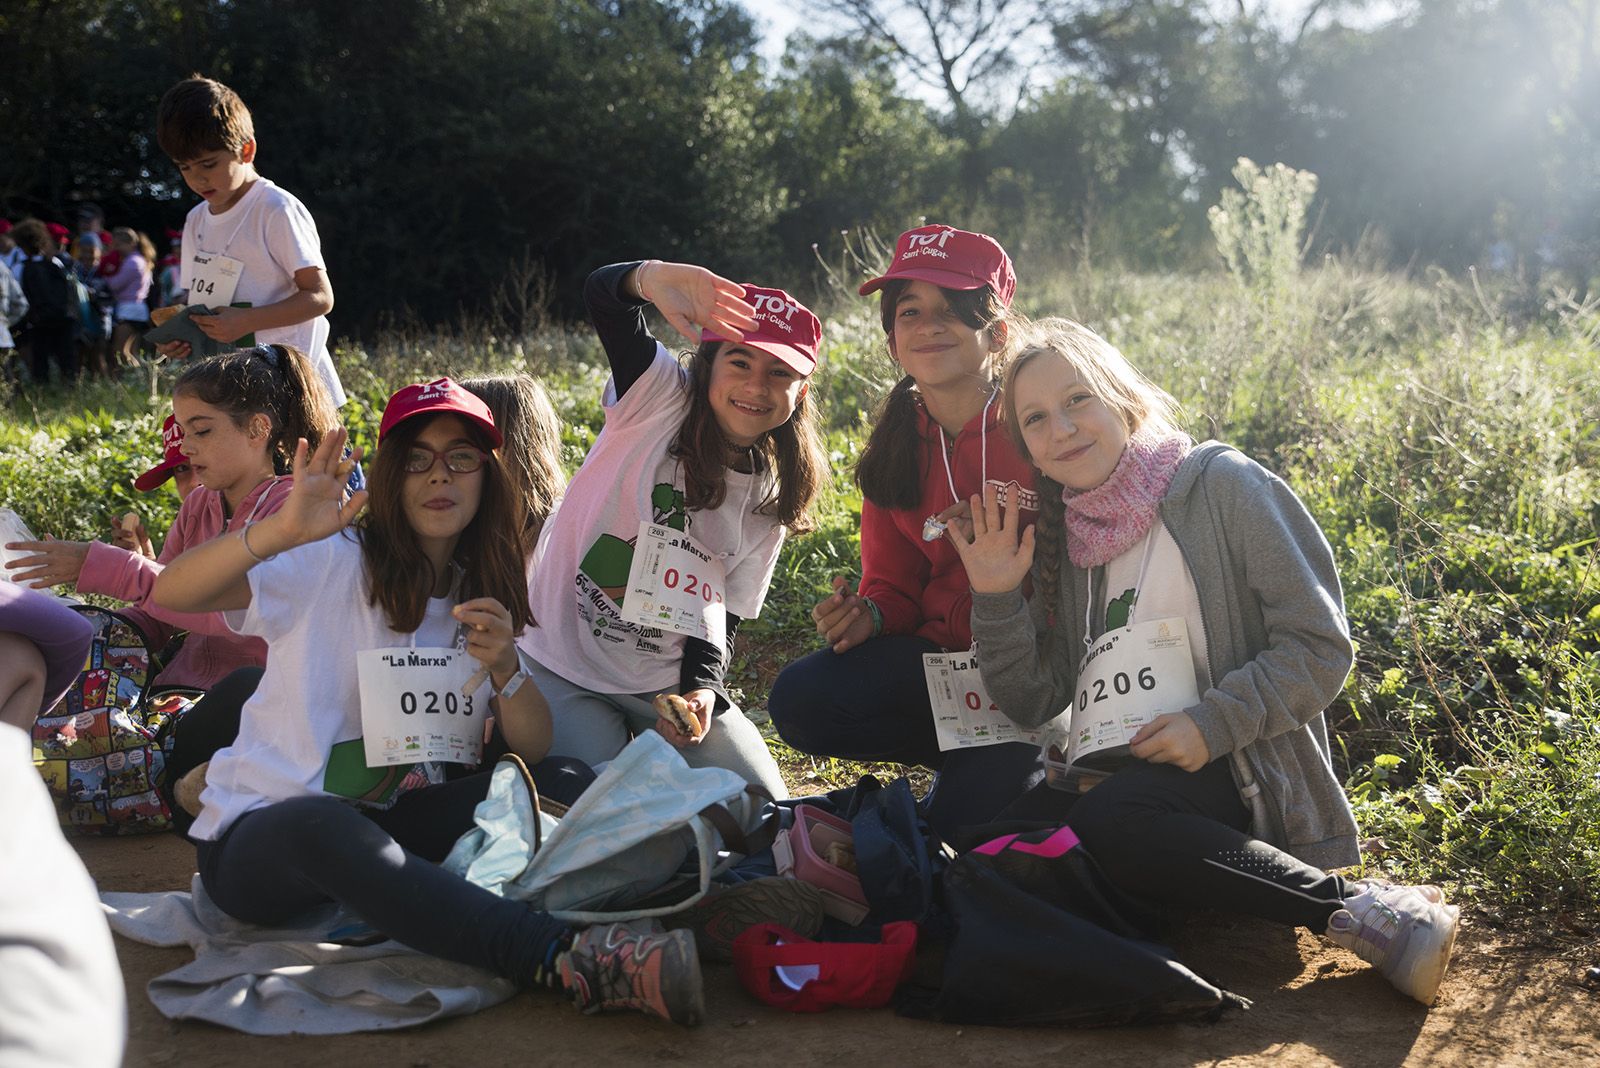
667	510
610	558
1119	611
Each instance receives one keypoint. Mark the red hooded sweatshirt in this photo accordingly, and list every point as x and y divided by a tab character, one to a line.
920	586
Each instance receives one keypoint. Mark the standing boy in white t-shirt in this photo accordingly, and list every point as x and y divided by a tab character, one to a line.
250	243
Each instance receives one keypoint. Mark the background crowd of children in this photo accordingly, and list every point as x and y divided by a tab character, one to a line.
74	300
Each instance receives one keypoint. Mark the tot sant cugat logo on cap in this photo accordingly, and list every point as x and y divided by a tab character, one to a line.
930	245
774	309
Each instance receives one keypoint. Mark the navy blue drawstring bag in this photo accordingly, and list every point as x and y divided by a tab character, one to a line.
1038	936
897	857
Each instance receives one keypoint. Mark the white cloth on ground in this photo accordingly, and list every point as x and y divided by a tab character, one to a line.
290	980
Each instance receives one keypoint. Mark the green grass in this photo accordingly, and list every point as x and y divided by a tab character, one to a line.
1448	447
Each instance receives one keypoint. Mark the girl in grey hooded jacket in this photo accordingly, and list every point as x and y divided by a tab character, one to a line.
1231	803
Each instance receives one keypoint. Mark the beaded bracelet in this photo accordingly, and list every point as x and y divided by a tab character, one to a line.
877	616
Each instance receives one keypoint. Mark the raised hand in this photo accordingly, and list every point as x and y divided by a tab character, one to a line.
692	297
843	618
995	558
315	507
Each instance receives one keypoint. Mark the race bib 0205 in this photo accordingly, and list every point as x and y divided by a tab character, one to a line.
676	585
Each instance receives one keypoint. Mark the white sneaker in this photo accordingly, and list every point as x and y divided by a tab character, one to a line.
1406	932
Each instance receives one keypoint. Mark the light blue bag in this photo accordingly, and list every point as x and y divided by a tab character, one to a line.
647	818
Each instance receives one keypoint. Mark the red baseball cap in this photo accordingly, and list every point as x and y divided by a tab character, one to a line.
5	226
440	395
952	259
785	328
172	456
783	969
57	231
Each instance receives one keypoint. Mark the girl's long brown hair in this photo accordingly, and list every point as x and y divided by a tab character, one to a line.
889	470
793	452
532	450
491	551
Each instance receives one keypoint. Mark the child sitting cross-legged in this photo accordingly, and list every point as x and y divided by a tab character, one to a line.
292	814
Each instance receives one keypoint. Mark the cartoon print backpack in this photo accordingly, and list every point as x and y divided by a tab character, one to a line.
102	749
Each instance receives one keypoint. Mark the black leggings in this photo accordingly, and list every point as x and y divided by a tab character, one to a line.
275	862
1181	838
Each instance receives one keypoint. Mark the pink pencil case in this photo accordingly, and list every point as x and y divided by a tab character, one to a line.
801	853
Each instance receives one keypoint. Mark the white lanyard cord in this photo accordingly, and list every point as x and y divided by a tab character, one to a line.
983	452
200	240
1144	564
256	507
749	491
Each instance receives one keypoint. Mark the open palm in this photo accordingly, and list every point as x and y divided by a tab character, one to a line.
316	506
692	297
995	558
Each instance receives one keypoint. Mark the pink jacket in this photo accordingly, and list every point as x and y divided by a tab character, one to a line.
131	282
212	650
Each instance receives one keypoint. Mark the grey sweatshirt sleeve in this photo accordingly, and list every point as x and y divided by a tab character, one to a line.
1030	688
1283	597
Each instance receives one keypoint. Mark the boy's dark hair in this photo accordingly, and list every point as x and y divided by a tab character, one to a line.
889	471
276	381
32	237
201	115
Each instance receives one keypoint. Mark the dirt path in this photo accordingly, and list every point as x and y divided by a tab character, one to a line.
1314	1005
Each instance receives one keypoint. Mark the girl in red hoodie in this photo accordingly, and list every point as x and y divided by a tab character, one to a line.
945	303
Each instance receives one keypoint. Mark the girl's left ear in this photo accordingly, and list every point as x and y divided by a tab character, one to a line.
999	334
259	426
805	387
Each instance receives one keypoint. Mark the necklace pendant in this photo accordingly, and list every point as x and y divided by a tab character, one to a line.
933	528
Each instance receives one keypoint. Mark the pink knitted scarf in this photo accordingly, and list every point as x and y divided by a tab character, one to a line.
1107	521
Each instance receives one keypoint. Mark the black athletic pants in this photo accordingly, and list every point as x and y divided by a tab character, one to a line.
275	862
1176	837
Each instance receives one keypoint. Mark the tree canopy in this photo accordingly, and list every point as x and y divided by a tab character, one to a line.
447	146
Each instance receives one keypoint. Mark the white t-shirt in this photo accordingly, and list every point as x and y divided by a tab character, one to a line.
1168	591
61	997
581	564
273	235
300	732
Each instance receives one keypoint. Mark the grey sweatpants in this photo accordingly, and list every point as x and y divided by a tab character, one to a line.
593	727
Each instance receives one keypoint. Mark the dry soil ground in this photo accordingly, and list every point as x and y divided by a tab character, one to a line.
1505	1002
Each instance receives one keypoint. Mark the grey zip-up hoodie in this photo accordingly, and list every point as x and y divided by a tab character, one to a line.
1277	643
